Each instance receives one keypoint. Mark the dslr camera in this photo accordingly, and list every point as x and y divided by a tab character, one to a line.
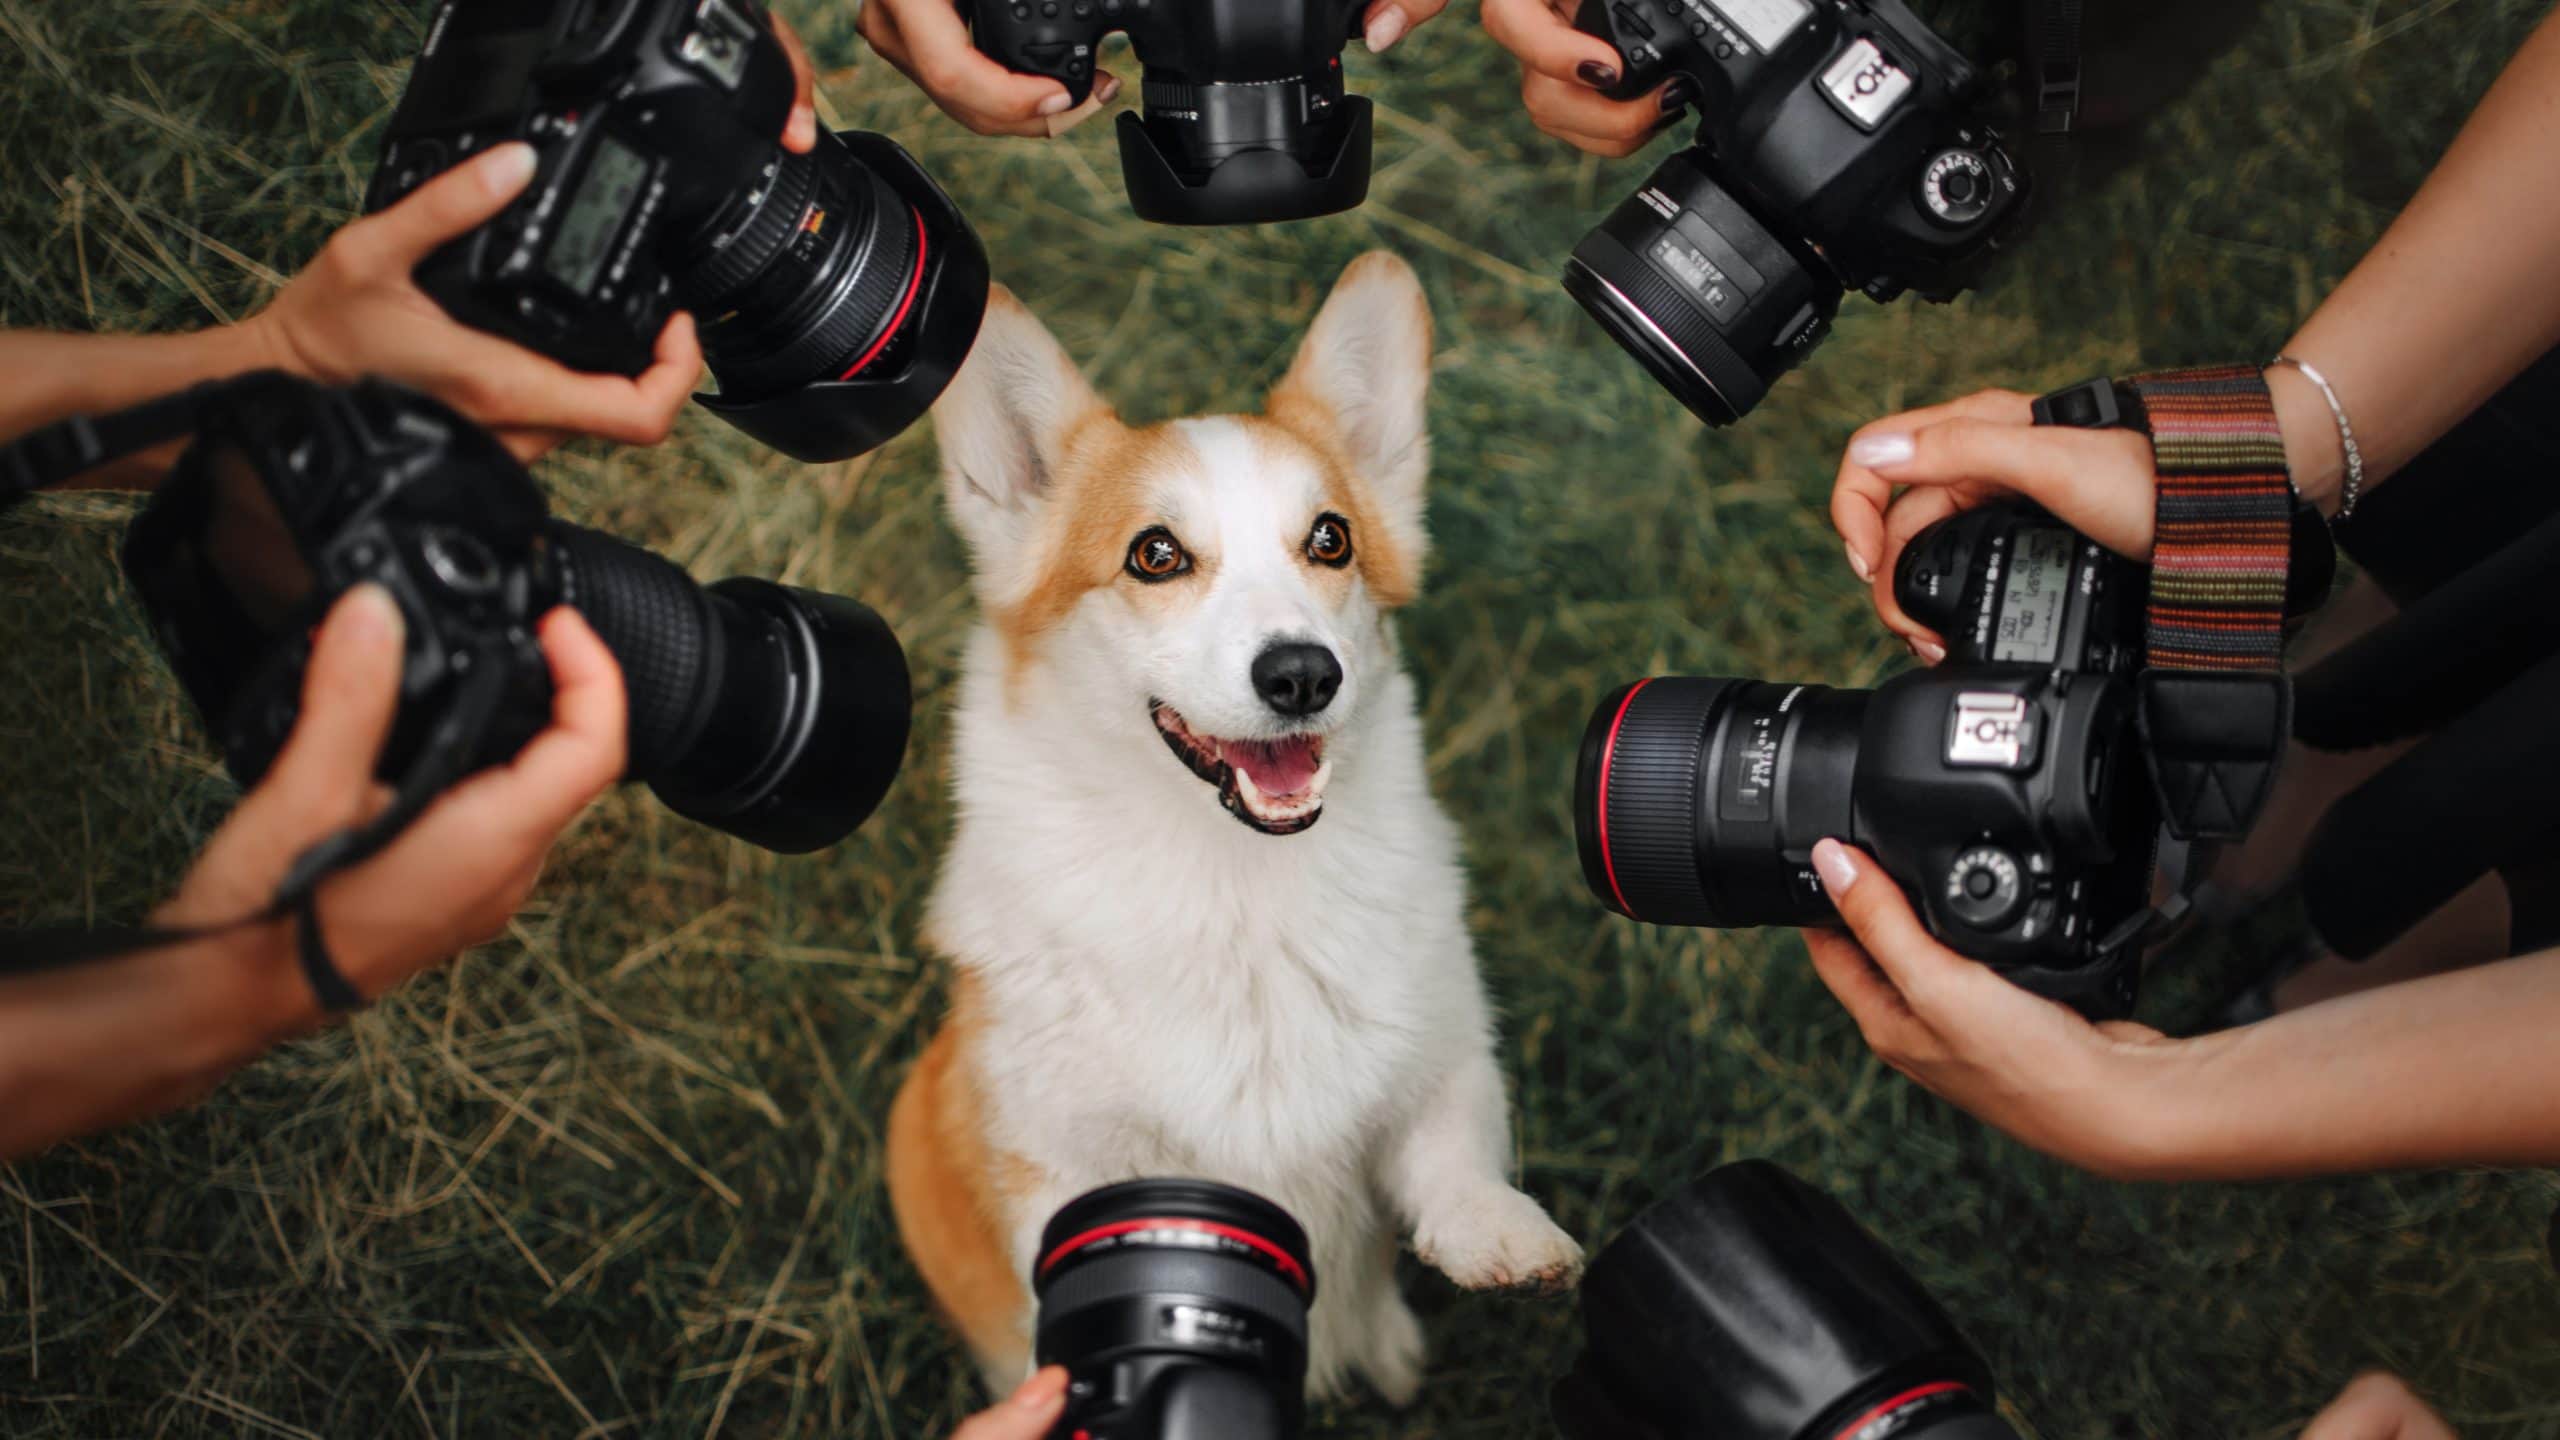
1842	145
1751	1306
836	291
776	714
2007	790
1179	1308
1245	119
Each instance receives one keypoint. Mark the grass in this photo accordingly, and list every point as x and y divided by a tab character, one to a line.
619	1172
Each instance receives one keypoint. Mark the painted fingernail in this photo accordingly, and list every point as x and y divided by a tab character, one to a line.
1837	867
1858	563
1386	29
509	168
1056	104
1110	89
1878	451
1929	651
1677	95
1596	75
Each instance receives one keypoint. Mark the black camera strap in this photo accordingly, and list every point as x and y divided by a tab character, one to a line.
67	449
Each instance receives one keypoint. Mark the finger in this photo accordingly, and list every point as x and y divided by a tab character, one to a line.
350	694
1547	43
2130	1032
506	386
668	383
1576	113
588	744
531	445
450	204
976	90
1910	512
1026	1414
2098	481
1859	494
1389	21
1106	88
800	131
1850	974
1877	912
879	29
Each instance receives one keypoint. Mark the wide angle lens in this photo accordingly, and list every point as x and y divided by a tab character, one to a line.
776	714
1712	302
1697	801
1180	1307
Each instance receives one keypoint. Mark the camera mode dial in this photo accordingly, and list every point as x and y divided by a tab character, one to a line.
1956	187
1985	888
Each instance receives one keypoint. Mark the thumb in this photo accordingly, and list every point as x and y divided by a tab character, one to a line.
2098	481
447	206
1877	912
1025	1415
350	693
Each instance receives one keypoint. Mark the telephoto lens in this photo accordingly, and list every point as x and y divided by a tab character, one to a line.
1179	1308
836	291
1751	1306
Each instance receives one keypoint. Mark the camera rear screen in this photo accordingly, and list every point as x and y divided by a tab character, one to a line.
2032	602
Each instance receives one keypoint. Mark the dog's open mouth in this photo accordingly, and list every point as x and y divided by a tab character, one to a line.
1275	786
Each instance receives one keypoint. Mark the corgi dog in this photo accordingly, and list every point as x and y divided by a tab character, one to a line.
1206	917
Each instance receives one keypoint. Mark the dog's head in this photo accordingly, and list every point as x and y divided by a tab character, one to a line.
1219	584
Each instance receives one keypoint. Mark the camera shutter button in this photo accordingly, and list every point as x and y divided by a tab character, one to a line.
1985	887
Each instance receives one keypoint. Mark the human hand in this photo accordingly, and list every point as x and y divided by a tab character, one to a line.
1025	1415
1563	72
356	310
2100	1096
2378	1406
1962	454
450	880
929	42
800	130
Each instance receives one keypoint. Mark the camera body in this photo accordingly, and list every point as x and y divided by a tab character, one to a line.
2005	790
1245	118
779	715
835	292
1751	1306
1179	1308
1843	144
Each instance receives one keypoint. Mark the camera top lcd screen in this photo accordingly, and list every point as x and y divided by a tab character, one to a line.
1767	22
2032	602
614	178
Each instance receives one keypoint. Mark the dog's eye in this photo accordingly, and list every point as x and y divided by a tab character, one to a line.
1155	555
1329	543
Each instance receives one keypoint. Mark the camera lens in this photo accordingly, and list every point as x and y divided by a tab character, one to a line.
1258	130
776	714
1698	801
1179	1307
1751	1306
1711	301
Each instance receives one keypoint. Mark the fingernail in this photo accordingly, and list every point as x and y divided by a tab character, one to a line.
1596	75
1878	451
1858	563
1110	89
1387	29
1929	651
371	617
1041	1389
1837	867
1056	104
509	168
1677	95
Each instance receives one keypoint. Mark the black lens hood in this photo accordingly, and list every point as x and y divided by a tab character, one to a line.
839	419
1251	187
846	737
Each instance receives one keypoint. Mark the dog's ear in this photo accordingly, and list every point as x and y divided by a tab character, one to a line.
1004	423
1365	368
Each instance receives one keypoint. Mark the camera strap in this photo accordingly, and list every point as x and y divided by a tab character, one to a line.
2213	700
67	449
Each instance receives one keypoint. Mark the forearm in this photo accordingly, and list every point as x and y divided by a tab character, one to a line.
94	1046
2457	1069
2462	292
54	377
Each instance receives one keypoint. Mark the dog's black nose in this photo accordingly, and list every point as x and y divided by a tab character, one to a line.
1297	678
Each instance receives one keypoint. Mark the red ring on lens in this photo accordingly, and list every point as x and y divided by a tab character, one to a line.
1286	1263
1608	755
1907	1397
915	282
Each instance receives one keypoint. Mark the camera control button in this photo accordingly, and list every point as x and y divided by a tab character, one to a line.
1633	22
1985	889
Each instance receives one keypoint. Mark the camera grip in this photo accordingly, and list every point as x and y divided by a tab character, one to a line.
1642	63
1054	39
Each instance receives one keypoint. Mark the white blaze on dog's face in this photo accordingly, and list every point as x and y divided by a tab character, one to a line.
1222	581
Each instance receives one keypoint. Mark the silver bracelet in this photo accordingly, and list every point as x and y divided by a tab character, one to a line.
2354	483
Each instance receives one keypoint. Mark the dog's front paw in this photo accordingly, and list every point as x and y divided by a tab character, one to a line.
1496	1238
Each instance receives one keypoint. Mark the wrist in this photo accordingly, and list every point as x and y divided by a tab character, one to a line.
2314	451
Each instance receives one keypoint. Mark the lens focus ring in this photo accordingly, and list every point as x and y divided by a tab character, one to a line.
1652	762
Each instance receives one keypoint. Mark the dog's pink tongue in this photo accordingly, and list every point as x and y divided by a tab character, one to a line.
1279	768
